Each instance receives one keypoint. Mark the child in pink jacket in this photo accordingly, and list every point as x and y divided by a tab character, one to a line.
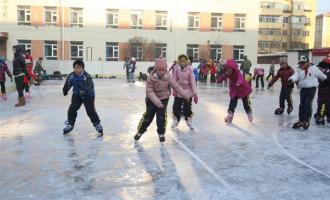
3	71
183	75
158	91
259	73
239	88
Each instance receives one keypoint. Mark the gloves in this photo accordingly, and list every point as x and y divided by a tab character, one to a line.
195	98
65	93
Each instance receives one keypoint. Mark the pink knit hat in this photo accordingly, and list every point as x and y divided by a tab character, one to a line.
160	63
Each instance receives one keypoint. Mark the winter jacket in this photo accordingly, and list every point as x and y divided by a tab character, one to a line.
238	86
158	89
29	67
213	70
19	66
196	74
308	78
3	71
272	69
38	68
324	88
284	73
246	66
258	72
83	85
185	78
132	67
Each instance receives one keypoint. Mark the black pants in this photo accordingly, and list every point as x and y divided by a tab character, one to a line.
177	105
213	78
3	87
286	95
246	104
323	108
204	78
306	100
76	102
27	87
19	85
148	116
270	75
261	77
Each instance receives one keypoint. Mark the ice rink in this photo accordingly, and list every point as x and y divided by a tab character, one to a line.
263	160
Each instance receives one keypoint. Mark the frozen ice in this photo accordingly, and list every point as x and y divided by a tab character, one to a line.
264	160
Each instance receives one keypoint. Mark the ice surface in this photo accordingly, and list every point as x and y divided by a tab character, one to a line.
264	160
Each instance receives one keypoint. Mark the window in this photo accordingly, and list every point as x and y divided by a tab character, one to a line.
51	50
269	44
50	18
24	15
271	19
216	52
298	6
216	21
271	5
160	49
24	44
112	18
112	51
269	32
136	20
239	23
193	51
77	50
161	20
137	52
76	17
285	32
239	53
193	21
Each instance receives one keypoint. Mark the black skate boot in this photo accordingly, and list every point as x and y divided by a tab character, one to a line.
98	127
316	115
137	136
161	137
306	125
297	125
289	110
279	111
320	121
68	128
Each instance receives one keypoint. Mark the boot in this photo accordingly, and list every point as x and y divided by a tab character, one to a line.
250	116
4	97
68	128
289	110
189	123
21	102
297	125
98	127
137	136
161	137
320	121
306	125
175	123
279	111
229	117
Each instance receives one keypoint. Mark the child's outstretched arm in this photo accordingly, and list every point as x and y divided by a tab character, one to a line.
319	74
67	86
276	77
150	91
294	77
222	78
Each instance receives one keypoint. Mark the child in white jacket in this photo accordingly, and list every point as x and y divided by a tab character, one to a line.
307	77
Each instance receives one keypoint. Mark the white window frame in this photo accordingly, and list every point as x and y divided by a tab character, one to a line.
115	48
163	49
80	50
115	18
25	43
219	19
195	51
54	47
79	12
196	21
139	16
242	23
53	13
241	53
163	16
218	51
27	14
139	52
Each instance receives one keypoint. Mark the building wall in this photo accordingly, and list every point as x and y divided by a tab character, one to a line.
94	33
322	31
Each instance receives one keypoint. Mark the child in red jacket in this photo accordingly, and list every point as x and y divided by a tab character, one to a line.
213	71
29	67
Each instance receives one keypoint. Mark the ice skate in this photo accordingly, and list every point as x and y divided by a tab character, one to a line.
279	111
189	123
289	110
68	128
137	136
297	125
98	127
320	121
175	123
229	117
306	125
250	116
161	138
4	97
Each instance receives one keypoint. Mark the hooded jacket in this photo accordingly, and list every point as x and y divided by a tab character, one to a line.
308	78
19	66
238	86
184	78
3	70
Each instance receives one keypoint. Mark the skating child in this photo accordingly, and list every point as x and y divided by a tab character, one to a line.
3	71
285	72
271	70
158	91
83	93
29	67
307	77
37	71
259	73
213	71
239	88
183	75
248	77
323	98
